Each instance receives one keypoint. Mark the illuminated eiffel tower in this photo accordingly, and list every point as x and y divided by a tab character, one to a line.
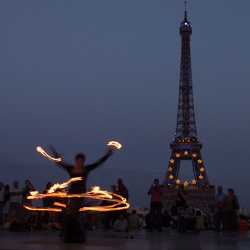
186	145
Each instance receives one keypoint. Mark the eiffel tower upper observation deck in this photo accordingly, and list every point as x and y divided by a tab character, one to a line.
186	145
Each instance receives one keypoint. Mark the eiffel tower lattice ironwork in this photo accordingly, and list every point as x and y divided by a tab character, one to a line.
186	145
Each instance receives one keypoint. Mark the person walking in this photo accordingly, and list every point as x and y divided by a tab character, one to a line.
121	189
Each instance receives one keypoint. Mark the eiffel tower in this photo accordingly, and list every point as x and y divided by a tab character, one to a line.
185	145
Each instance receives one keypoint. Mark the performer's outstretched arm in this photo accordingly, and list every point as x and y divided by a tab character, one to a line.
100	161
66	167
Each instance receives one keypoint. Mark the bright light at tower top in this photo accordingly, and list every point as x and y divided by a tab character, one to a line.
185	22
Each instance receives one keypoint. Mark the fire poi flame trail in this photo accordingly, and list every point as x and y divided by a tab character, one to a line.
115	143
42	151
45	154
117	202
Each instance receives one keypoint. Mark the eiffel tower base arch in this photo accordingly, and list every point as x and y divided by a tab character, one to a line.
200	197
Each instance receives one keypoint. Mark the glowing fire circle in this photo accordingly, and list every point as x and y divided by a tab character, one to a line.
114	201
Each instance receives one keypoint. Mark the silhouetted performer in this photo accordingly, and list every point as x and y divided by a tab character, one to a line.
73	229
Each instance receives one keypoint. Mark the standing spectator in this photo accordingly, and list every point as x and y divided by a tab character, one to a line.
121	189
155	205
15	200
50	219
220	218
32	220
6	203
174	214
231	209
1	202
26	192
48	202
181	202
25	201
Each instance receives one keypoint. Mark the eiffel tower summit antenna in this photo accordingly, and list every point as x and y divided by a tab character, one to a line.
185	2
186	145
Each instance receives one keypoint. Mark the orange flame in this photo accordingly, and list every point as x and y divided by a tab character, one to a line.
42	151
115	143
116	202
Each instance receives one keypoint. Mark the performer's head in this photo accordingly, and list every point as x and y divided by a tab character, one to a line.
79	160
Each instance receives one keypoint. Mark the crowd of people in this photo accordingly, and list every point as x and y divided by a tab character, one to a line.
14	216
226	211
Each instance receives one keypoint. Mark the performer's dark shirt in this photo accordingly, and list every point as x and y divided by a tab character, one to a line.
80	186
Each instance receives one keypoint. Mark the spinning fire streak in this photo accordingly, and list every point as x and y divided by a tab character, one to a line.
113	200
115	143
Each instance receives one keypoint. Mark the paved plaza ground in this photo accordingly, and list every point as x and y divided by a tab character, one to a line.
105	239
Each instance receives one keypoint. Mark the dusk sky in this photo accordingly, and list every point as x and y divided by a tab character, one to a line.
77	74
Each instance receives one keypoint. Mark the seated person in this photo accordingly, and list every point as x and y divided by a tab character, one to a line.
200	225
188	220
134	220
11	219
174	214
121	224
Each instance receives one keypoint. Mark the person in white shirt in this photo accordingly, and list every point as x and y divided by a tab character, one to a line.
134	221
121	224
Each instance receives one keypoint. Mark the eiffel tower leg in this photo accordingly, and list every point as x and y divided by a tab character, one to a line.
198	168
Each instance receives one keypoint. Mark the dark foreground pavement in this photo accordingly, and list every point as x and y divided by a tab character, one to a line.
104	239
